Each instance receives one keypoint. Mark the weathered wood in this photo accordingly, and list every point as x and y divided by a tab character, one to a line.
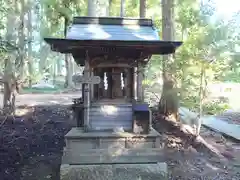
96	87
125	83
139	83
106	61
86	97
135	83
114	65
101	85
86	80
111	82
117	91
92	85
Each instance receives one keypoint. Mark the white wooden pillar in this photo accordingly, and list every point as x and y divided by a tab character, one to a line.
135	83
86	96
125	81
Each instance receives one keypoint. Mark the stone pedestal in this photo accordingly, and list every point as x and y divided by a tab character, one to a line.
157	171
115	156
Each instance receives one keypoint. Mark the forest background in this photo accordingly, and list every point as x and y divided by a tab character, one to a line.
206	67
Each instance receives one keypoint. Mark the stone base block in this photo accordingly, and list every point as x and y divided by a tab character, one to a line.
157	171
84	141
117	155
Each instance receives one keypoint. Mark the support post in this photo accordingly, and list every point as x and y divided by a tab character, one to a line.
91	86
125	82
135	83
86	96
139	83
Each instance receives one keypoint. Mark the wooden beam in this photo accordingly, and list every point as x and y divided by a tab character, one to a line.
135	83
86	97
91	86
140	78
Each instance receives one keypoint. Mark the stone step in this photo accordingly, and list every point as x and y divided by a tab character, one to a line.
116	151
115	155
84	141
156	171
84	145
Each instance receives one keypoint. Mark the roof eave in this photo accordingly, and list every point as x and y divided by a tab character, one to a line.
154	47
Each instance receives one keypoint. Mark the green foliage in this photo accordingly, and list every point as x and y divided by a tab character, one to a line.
209	43
215	108
205	42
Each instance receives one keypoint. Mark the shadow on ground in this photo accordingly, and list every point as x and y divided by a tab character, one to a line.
31	144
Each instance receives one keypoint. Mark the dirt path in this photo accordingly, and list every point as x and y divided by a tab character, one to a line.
44	99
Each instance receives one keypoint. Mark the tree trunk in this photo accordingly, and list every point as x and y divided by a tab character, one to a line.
22	40
183	69
141	70
98	8
67	71
122	14
91	8
66	55
59	66
6	82
201	89
70	71
44	48
29	27
10	85
54	71
142	11
9	77
168	104
44	52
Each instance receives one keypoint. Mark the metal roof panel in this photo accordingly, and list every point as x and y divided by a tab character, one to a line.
112	32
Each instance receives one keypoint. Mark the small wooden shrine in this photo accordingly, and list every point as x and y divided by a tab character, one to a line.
114	53
116	50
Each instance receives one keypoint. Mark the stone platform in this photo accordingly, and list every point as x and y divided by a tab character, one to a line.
157	171
109	153
76	138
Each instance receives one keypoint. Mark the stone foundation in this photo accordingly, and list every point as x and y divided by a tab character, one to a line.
157	171
113	156
78	139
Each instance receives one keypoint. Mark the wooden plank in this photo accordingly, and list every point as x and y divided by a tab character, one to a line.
86	80
232	130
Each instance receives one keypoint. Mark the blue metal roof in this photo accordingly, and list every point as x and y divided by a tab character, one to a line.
112	32
124	34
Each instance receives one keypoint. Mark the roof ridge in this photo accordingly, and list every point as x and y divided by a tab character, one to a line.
112	21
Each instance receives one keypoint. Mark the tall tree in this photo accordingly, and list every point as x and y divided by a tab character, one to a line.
122	8
98	8
9	78
91	8
143	6
67	56
141	76
21	62
168	104
30	38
